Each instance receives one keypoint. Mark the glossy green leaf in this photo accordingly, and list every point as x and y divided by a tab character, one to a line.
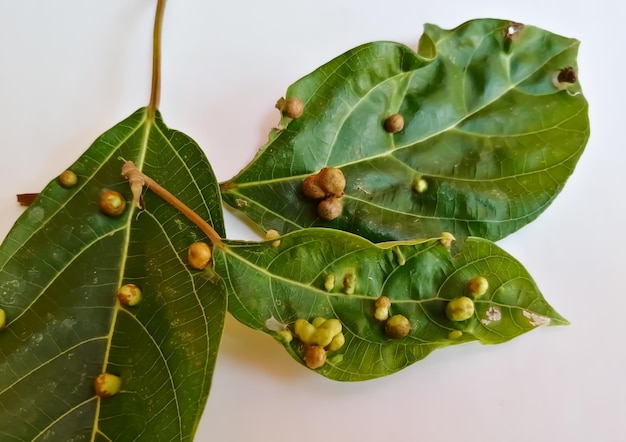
271	287
60	268
486	128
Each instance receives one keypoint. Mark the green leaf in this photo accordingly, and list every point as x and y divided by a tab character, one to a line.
486	128
272	287
60	269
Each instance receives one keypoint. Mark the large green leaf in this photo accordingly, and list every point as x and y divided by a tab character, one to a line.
485	127
271	287
60	268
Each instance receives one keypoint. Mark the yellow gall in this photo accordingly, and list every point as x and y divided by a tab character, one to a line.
285	336
455	334
317	322
314	356
477	286
398	326
3	319
68	179
382	301
111	203
273	235
199	255
381	312
337	342
394	123
107	385
446	239
129	295
329	282
349	283
420	185
460	309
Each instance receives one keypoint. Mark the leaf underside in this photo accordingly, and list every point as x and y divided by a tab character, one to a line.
271	287
60	268
485	127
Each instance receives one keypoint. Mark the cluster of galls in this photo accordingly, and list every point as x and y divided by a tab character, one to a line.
318	337
462	308
327	186
396	326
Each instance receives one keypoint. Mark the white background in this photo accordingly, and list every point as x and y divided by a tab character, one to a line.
71	69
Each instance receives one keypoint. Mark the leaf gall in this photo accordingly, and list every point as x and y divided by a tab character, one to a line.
107	385
397	327
199	255
68	179
477	286
394	123
290	107
332	181
112	203
129	295
314	356
330	208
460	309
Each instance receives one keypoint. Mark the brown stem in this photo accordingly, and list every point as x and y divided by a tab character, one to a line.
155	93
137	179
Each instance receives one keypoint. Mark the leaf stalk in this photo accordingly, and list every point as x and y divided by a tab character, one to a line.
137	179
155	92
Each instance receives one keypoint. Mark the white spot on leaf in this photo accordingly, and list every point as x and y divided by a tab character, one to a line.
274	324
535	319
493	314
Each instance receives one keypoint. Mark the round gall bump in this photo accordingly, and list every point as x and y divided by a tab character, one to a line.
273	235
290	107
199	255
420	185
398	326
314	357
394	123
68	179
311	188
107	385
111	203
3	319
330	208
129	295
477	286
337	342
455	334
332	181
460	309
446	239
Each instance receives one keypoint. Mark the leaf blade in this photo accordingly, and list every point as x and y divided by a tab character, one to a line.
485	127
270	288
60	268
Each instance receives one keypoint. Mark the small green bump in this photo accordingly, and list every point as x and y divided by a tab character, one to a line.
455	334
399	256
285	336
